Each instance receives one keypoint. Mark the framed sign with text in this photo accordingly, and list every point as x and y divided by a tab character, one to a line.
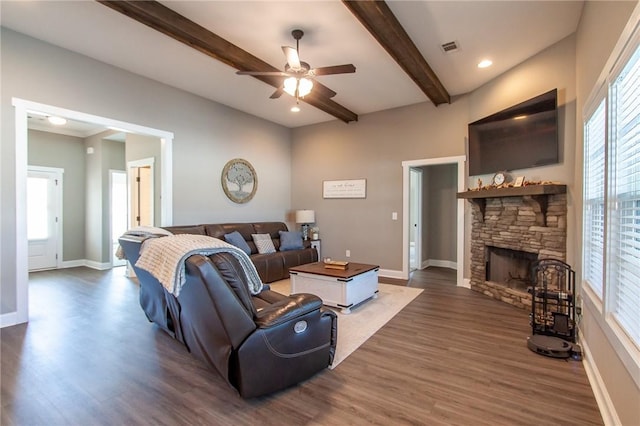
352	188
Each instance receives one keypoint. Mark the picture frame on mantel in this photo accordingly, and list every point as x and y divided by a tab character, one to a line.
349	188
519	181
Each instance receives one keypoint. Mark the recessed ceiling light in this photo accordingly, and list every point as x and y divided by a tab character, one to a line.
485	63
58	121
295	108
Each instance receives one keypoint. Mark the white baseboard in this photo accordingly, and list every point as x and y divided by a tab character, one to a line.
84	262
8	319
466	283
97	265
72	263
390	273
439	263
607	409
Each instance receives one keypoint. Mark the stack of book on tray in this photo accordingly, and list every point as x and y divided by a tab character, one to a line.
336	264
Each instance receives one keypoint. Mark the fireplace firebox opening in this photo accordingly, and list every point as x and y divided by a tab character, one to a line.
509	268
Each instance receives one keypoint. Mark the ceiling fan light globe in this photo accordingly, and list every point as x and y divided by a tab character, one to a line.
305	86
290	85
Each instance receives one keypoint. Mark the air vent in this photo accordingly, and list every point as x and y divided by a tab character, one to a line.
451	46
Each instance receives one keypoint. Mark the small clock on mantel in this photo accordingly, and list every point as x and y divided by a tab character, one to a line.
500	178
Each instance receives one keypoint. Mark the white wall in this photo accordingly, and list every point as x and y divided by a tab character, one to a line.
206	136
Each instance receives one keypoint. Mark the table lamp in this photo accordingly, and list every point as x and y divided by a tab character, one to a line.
305	217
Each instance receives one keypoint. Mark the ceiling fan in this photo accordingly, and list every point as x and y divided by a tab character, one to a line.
299	75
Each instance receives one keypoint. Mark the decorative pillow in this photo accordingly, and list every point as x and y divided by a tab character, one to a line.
290	240
235	238
263	243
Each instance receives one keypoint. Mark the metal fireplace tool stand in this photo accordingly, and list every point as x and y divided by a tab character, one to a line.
553	310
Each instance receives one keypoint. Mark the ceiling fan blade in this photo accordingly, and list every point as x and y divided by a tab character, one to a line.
275	73
275	95
323	91
292	57
336	69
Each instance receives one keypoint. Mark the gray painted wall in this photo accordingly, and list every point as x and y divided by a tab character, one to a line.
97	195
554	67
373	149
207	135
113	158
66	152
440	185
375	146
600	27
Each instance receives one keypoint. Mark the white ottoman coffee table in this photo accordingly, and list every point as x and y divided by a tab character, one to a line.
338	288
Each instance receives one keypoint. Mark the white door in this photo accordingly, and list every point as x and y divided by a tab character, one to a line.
44	216
144	197
118	201
141	190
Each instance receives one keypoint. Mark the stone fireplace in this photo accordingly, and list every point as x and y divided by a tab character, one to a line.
511	229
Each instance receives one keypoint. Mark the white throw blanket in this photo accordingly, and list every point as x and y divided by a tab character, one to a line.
164	258
141	231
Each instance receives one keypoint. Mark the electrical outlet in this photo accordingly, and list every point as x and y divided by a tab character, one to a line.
348	253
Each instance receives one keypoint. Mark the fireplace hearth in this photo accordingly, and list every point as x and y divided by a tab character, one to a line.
511	232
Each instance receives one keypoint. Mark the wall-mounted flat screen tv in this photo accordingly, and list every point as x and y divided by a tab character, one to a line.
519	137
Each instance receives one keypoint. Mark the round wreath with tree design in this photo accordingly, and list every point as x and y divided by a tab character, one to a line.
239	180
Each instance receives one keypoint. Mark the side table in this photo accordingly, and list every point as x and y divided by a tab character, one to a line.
316	245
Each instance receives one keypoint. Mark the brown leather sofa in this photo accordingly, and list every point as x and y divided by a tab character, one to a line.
272	266
259	343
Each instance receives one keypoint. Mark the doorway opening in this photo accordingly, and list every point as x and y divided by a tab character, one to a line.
458	161
22	110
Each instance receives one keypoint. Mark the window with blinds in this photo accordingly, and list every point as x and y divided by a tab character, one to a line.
593	203
611	198
624	188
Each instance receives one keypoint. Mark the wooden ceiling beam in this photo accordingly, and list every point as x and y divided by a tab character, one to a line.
178	27
380	21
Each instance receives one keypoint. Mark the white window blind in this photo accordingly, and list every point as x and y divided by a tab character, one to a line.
594	207
624	194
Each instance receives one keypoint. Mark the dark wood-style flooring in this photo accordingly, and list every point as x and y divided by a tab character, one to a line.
452	357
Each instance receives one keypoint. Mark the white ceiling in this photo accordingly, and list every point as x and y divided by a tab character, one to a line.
81	129
507	32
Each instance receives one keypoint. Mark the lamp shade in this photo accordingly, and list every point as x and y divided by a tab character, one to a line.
290	85
304	87
305	216
297	86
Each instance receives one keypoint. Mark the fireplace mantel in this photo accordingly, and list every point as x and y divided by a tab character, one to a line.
536	193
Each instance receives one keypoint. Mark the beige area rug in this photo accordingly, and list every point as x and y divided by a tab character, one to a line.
366	318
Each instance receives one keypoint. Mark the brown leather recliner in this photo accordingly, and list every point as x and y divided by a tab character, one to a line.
259	344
